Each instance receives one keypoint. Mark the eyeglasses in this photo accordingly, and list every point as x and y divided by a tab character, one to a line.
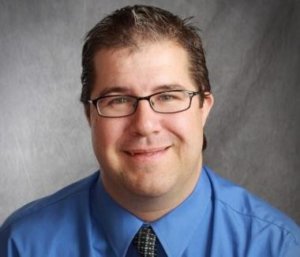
116	106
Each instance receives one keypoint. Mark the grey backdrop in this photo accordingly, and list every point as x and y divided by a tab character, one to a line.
252	52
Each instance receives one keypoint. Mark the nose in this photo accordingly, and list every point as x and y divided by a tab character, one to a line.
144	121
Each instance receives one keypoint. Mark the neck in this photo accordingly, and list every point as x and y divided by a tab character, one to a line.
151	208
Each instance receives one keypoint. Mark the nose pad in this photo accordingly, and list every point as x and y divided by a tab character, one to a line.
144	121
135	105
152	104
143	107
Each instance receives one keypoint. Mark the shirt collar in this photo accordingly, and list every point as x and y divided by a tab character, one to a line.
180	224
120	226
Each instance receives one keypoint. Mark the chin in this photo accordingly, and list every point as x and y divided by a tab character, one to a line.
149	189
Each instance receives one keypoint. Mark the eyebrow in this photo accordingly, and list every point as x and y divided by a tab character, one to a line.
114	89
170	87
125	90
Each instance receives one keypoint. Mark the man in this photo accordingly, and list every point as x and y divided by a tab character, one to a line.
147	97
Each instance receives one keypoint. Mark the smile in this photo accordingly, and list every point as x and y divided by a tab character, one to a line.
146	152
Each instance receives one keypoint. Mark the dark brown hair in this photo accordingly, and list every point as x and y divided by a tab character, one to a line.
132	24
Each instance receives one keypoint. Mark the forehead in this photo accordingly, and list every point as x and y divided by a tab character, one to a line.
143	67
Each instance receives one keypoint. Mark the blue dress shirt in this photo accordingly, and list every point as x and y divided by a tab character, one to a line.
217	219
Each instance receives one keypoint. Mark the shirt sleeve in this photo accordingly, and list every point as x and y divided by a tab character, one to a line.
293	249
7	244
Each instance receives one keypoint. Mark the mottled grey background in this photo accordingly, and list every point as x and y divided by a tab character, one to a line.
252	52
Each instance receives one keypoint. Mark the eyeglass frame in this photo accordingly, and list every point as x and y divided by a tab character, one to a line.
191	94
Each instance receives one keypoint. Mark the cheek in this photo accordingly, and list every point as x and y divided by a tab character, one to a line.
188	128
104	135
107	135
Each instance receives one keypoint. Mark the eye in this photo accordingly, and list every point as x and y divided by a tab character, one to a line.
168	96
117	100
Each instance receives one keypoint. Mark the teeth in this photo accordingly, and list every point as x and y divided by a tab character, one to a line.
133	153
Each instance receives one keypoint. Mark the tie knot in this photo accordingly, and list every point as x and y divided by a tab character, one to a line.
145	242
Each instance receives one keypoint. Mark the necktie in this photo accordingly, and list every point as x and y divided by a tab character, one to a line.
145	242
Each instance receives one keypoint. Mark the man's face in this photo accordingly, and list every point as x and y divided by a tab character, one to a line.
147	154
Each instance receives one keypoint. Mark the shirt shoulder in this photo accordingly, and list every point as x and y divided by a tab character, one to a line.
249	216
51	223
57	200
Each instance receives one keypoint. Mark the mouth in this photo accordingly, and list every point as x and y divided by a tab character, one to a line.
147	152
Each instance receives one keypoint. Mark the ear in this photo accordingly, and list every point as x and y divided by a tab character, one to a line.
87	111
206	107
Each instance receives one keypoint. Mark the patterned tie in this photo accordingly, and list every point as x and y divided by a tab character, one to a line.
145	242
